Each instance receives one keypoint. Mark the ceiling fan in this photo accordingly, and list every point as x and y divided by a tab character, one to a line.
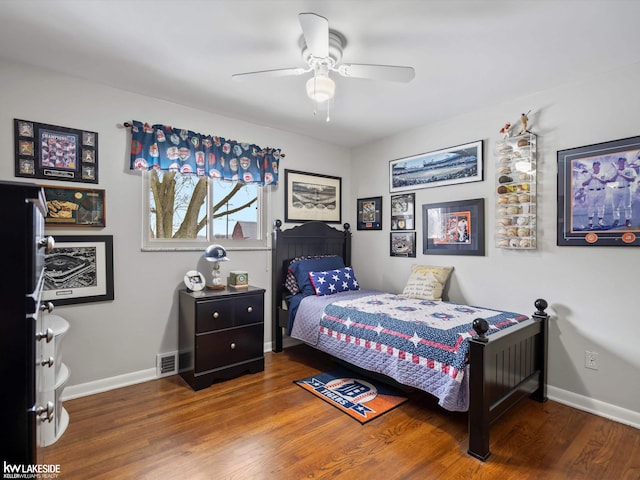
321	50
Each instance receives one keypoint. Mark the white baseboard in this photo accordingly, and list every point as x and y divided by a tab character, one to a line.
597	407
106	384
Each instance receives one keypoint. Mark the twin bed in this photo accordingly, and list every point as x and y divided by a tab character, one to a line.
472	359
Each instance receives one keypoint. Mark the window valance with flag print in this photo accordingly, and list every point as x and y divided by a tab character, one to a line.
167	148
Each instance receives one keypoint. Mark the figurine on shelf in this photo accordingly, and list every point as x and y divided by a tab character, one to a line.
524	118
505	130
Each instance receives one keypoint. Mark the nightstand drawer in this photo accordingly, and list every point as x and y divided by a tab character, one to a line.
228	347
214	315
249	309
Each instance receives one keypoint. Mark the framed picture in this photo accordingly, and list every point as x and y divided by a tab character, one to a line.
403	244
311	196
453	228
75	207
597	189
55	153
370	213
79	270
449	166
403	211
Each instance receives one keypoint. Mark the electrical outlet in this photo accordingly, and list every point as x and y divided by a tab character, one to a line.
591	360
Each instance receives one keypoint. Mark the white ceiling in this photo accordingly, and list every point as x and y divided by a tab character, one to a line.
467	54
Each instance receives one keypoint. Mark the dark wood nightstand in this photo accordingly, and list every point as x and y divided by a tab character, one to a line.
221	334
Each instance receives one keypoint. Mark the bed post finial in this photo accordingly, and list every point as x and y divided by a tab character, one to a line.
541	304
481	326
277	224
346	227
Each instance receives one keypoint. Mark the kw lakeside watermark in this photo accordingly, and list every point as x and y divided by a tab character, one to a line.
23	471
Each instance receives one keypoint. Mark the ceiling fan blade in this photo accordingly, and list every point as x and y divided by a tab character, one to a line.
316	33
281	72
391	73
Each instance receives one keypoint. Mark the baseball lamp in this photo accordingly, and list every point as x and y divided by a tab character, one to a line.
216	254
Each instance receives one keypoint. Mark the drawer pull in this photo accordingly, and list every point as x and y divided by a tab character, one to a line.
233	346
46	335
216	314
48	362
249	309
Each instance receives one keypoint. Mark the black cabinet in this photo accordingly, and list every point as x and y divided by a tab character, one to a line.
221	334
21	335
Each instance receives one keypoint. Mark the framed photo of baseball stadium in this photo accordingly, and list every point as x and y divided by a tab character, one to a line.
453	228
79	270
599	194
75	207
312	196
449	166
402	244
55	153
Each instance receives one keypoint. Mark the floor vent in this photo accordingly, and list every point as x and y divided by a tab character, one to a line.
167	364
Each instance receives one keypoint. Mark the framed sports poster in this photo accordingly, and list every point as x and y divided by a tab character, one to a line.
598	193
55	153
370	213
453	228
74	207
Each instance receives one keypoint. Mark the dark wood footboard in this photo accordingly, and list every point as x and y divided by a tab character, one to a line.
503	369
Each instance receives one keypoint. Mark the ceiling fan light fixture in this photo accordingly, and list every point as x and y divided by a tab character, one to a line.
320	89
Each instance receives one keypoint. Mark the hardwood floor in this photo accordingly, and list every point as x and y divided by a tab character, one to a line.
263	426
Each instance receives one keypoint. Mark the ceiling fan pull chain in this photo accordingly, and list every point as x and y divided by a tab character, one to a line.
328	109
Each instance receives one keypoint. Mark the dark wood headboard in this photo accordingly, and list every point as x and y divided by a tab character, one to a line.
311	238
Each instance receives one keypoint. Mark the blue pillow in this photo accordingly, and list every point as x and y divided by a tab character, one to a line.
329	282
302	268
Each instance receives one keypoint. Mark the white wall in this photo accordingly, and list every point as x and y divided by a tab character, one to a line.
591	290
122	338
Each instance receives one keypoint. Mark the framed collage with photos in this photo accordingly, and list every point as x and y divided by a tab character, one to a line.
454	228
55	153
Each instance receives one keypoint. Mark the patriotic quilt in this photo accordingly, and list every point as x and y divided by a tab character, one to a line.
420	343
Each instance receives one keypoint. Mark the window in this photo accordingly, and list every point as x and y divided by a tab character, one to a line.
188	212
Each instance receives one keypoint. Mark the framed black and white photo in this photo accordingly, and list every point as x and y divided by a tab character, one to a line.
79	270
403	244
403	211
55	153
597	191
370	213
453	228
449	166
312	196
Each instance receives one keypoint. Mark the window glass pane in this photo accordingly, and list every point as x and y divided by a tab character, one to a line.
185	212
178	206
236	209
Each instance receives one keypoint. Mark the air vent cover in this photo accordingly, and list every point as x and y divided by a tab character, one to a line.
166	364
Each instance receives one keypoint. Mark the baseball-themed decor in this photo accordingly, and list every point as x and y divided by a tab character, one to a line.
238	279
177	149
370	213
75	207
194	280
361	399
55	153
453	228
449	166
597	187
